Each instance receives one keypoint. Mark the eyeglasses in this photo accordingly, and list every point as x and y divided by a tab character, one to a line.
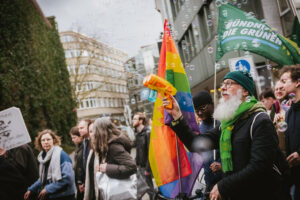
201	108
228	84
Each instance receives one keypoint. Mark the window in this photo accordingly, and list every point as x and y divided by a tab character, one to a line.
204	30
286	17
184	51
82	69
78	87
110	102
67	38
212	18
85	53
68	54
283	6
188	45
105	102
101	102
73	53
81	105
197	34
176	6
93	68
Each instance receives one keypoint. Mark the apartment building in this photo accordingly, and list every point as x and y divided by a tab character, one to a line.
97	75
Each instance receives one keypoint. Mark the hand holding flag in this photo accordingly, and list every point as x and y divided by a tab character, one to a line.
166	165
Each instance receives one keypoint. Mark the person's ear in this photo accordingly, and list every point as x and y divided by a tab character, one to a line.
245	93
298	83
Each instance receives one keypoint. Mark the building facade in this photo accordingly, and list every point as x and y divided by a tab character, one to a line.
137	67
194	27
97	75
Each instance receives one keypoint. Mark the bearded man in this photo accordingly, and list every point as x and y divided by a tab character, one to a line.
248	146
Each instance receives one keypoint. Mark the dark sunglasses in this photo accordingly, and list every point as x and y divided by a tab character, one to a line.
202	108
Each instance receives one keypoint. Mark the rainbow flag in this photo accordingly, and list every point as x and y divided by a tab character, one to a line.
162	150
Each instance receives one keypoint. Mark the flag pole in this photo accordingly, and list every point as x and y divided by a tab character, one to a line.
178	164
215	97
215	89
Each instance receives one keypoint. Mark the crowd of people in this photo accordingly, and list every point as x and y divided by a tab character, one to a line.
258	141
100	147
251	151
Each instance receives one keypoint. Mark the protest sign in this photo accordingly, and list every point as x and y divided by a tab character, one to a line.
13	131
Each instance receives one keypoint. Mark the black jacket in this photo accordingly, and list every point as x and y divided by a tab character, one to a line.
11	181
78	168
25	161
18	170
293	137
293	131
142	148
252	176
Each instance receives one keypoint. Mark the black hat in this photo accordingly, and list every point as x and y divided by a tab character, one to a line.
202	98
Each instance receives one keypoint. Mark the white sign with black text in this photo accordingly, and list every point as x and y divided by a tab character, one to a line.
13	131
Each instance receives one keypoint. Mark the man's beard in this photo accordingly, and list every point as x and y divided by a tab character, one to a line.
226	108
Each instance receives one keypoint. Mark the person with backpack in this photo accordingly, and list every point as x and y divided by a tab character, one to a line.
248	150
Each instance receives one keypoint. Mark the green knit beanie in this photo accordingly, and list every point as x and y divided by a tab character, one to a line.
242	78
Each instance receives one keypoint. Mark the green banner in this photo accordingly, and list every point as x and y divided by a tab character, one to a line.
295	37
238	30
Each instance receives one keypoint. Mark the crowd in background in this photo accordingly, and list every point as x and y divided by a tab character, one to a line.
250	139
256	143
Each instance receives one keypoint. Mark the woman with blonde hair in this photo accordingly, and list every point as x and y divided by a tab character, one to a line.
56	179
110	155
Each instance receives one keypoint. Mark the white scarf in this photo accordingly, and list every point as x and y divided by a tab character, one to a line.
87	176
54	171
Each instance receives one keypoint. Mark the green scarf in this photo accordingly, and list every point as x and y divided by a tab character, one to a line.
227	126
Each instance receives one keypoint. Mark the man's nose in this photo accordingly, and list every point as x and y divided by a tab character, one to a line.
223	88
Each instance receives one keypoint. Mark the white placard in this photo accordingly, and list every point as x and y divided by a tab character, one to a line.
13	131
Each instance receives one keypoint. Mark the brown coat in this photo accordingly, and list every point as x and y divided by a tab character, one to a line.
120	164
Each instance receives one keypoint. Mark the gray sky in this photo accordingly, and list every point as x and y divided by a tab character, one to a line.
123	24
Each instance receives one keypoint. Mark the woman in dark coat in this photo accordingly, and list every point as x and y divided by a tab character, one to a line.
111	154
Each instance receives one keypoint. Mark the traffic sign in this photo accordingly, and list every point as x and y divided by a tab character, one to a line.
244	63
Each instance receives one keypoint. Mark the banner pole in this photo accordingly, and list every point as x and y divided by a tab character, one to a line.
215	97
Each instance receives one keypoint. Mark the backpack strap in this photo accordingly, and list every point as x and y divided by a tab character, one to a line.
275	168
251	127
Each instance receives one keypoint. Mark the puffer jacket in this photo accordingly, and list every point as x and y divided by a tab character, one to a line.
120	164
253	176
